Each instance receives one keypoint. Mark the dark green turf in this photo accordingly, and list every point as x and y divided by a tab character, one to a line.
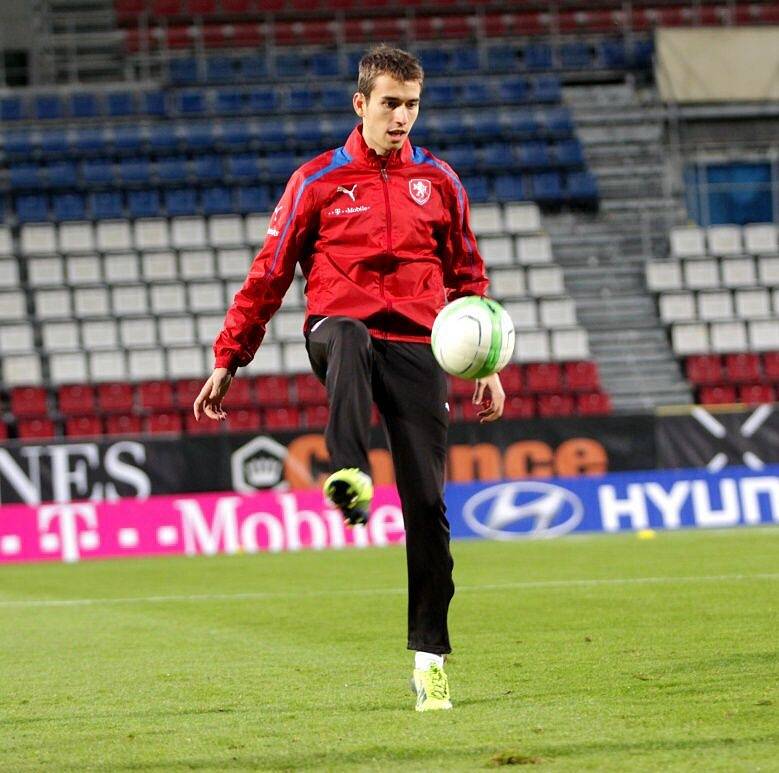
310	670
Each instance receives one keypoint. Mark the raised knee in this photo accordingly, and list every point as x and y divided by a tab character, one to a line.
352	330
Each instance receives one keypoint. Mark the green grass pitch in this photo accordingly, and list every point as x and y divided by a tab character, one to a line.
586	653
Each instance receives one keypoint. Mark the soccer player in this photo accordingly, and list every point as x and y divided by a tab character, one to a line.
381	231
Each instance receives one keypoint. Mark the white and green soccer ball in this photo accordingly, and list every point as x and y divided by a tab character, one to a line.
473	337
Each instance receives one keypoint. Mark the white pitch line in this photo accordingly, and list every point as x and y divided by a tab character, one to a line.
259	596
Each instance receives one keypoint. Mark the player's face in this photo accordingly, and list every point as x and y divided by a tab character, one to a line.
389	113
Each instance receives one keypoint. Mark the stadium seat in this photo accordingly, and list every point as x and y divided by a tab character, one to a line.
115	397
28	401
83	426
76	399
281	418
743	368
581	376
753	394
544	377
555	405
593	404
123	424
35	428
273	390
717	395
163	422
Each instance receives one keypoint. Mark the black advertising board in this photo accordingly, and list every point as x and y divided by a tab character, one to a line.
65	470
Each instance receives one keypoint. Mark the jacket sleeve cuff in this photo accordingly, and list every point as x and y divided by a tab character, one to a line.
226	361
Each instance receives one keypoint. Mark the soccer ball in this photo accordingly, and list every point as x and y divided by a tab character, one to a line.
473	337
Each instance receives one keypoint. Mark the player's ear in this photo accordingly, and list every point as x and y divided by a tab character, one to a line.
358	102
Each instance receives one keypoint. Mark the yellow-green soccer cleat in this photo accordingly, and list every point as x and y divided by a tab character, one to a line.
432	689
351	491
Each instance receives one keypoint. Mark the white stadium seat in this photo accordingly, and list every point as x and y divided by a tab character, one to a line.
534	249
52	304
68	368
91	302
764	335
690	338
99	334
177	331
486	219
724	240
295	358
225	231
76	237
146	364
677	307
83	270
768	271
715	305
761	239
233	264
288	326
753	304
188	232
255	229
531	346
16	338
113	236
13	305
197	264
524	218
208	327
701	274
9	273
206	296
496	250
38	239
738	272
687	242
663	275
60	336
129	300
6	242
22	370
168	299
266	361
545	280
151	234
107	366
159	266
728	337
524	314
557	312
507	283
45	272
121	268
138	333
186	362
571	344
775	297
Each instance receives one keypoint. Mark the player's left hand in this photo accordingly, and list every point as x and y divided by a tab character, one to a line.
493	407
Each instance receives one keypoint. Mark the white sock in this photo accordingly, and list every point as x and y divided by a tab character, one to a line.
423	660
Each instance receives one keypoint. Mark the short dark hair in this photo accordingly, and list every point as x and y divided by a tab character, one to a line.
386	60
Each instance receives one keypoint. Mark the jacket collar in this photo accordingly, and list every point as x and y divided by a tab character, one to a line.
360	152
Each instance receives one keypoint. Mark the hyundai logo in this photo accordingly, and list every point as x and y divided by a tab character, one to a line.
521	510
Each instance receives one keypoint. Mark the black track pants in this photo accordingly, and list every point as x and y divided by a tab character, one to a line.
409	388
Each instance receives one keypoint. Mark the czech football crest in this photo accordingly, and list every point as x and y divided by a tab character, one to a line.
420	190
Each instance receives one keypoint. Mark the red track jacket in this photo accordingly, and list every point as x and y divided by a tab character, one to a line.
386	240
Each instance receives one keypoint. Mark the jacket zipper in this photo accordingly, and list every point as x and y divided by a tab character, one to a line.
385	184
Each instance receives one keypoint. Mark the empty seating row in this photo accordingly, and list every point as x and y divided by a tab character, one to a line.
743	368
712	273
709	306
231	135
732	336
729	394
724	240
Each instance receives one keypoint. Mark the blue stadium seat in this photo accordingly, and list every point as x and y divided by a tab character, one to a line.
569	153
538	57
482	125
129	139
252	68
510	187
220	69
181	201
143	203
236	134
558	123
253	199
546	89
501	58
341	127
520	124
47	107
172	169
198	135
435	61
291	65
263	100
11	109
448	125
613	54
62	174
69	206
462	158
353	61
477	187
582	188
513	90
440	95
308	130
230	102
475	94
208	167
31	208
134	170
105	205
183	71
271	133
97	171
465	59
54	142
335	98
24	175
84	105
576	55
533	155
121	103
243	166
498	155
163	136
217	201
547	187
88	141
190	103
301	99
642	55
281	165
19	143
325	64
154	103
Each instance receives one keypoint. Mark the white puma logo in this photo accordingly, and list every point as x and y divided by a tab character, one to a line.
349	193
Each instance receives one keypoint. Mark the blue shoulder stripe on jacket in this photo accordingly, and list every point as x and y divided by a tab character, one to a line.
340	158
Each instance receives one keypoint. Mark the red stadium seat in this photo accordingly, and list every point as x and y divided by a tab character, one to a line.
717	395
76	399
166	8
593	404
281	418
270	6
156	395
581	376
243	420
205	426
770	367
29	429
28	401
238	7
742	368
201	7
240	394
164	423
511	378
555	405
272	390
460	387
115	397
704	369
753	394
83	426
519	408
388	29
3	431
315	416
129	10
187	389
123	424
178	37
544	377
309	390
244	36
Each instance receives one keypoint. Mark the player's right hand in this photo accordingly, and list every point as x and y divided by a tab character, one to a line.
209	401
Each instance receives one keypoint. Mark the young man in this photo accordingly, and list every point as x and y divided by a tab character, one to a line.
381	231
